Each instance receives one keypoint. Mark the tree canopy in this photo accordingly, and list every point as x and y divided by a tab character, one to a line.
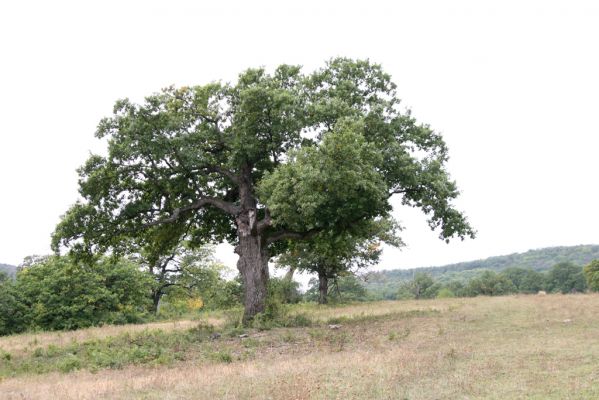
267	159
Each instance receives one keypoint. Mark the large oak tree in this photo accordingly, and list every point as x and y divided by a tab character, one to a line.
267	159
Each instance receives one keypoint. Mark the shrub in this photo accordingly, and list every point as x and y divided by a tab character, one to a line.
14	316
422	286
490	284
591	273
445	293
63	294
525	280
566	278
284	290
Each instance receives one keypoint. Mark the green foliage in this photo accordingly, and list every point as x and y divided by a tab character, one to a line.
14	317
344	289
385	284
278	315
445	293
332	254
490	284
144	348
525	280
222	356
284	290
421	287
563	277
63	294
591	273
566	278
329	184
189	279
281	294
537	260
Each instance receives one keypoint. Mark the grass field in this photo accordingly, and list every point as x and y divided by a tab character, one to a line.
517	347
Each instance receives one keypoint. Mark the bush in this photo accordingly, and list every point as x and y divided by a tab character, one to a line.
490	284
566	278
525	280
591	273
421	287
284	290
445	293
14	316
62	294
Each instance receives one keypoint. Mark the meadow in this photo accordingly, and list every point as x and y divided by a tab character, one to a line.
512	347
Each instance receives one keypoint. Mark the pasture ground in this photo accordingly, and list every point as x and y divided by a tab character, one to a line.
515	347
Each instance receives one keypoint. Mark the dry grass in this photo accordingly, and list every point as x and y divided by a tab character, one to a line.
373	309
522	347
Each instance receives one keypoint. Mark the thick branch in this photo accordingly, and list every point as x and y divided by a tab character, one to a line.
164	263
284	234
227	207
398	191
222	171
265	222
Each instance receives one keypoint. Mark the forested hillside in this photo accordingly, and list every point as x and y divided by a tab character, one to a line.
9	270
538	260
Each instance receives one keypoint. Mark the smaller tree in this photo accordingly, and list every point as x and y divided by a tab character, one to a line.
202	276
525	280
566	277
332	254
591	273
421	286
490	283
343	289
179	266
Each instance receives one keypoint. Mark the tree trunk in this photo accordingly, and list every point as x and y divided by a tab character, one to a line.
156	295
252	249
253	267
323	288
289	274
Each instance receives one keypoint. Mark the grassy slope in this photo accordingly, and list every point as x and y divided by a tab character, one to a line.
539	347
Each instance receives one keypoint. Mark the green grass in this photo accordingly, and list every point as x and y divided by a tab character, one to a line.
154	347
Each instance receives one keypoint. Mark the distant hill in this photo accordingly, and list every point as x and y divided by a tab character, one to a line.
9	270
540	260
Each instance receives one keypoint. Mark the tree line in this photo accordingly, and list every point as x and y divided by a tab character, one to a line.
564	277
61	292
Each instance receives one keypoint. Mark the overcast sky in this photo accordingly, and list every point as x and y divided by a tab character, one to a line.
512	86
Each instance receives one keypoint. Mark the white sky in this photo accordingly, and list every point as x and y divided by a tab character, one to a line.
512	85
